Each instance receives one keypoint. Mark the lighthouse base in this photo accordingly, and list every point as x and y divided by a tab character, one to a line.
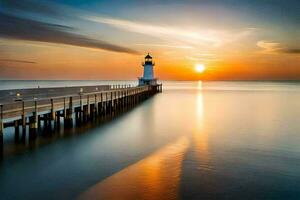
143	81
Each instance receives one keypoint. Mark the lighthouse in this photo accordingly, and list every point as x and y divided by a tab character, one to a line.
148	76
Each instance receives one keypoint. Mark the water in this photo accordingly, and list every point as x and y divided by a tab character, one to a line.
196	140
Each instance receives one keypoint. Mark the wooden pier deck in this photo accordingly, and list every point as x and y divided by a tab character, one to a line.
8	96
87	104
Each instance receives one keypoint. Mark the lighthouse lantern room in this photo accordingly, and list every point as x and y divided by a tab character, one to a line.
148	76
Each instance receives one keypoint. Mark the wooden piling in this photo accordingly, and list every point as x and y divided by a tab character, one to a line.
23	118
57	119
111	103
80	109
52	114
17	132
88	108
95	109
100	106
106	108
69	115
65	109
33	122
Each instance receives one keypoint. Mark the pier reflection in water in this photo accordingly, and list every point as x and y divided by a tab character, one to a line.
155	177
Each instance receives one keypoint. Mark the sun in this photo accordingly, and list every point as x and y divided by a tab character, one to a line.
199	68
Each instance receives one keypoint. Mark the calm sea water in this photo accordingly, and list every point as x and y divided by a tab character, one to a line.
196	140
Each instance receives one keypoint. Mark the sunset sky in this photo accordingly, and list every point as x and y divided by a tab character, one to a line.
90	39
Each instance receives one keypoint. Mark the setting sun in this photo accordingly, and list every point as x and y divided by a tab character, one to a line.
200	68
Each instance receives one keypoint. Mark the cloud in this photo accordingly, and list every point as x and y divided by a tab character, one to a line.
211	38
167	46
269	47
25	29
203	57
291	50
17	61
34	6
154	30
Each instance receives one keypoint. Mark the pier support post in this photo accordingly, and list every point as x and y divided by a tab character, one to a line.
80	117
23	122
111	104
65	108
32	127
17	132
100	105
57	119
52	117
87	112
122	99
106	105
135	97
129	98
95	108
33	122
69	114
118	101
45	121
39	121
115	102
126	99
105	108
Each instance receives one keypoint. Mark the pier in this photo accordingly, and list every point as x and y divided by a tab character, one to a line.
25	111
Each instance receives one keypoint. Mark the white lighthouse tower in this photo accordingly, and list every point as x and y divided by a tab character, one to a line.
148	76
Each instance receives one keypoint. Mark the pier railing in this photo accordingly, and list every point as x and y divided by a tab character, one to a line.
15	110
25	94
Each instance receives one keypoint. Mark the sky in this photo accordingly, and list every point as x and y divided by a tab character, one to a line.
101	39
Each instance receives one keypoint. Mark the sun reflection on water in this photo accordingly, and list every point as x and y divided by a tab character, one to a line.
199	104
200	135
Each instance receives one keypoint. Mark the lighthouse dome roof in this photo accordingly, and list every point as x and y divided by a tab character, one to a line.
148	56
